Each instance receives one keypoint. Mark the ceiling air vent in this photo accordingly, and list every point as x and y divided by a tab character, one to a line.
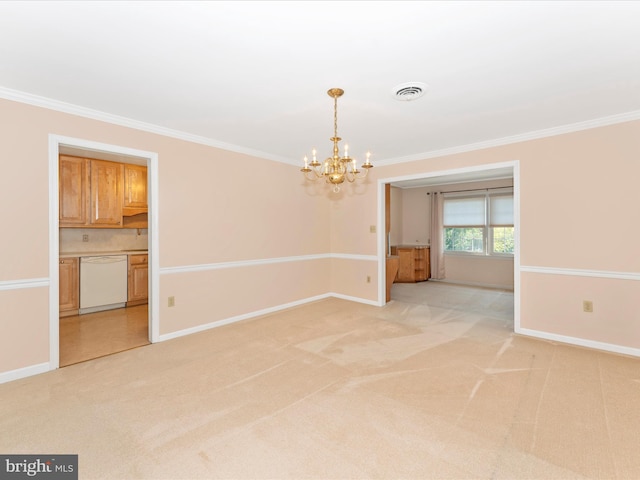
406	92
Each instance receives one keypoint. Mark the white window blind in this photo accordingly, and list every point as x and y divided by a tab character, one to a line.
501	210
464	212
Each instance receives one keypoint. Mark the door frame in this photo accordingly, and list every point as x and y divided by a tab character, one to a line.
106	151
514	165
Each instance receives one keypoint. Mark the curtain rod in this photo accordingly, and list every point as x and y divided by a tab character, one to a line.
473	190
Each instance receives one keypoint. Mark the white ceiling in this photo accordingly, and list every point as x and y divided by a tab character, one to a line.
253	76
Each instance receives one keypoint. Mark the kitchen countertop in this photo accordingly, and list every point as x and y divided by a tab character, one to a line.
103	253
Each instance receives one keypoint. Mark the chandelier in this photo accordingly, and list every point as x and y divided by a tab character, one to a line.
335	169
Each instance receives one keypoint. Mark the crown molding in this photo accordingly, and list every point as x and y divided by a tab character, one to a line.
63	107
523	137
38	101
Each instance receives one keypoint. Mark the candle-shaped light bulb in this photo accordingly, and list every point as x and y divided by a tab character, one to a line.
306	162
368	161
346	150
313	152
354	165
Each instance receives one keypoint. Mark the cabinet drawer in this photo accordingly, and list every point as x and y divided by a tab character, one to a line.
138	259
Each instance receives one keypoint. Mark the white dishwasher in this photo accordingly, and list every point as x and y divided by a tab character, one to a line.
103	283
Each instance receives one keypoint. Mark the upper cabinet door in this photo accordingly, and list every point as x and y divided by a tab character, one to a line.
73	194
106	193
135	186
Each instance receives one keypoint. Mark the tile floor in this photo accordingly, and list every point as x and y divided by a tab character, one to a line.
93	335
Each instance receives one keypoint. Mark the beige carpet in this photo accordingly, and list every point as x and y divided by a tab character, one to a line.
432	386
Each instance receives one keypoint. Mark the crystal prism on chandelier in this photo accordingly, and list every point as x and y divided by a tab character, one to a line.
336	169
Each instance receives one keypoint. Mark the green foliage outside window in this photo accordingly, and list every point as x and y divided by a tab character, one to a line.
471	240
479	224
463	240
503	240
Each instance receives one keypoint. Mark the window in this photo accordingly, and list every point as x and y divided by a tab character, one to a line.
501	224
479	224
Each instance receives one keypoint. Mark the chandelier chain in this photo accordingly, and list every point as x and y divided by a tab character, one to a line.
335	117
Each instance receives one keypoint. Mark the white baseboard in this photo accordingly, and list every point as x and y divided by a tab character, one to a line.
607	347
246	316
580	342
45	367
24	372
238	318
354	299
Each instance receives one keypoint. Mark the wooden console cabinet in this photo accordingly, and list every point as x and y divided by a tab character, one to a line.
414	264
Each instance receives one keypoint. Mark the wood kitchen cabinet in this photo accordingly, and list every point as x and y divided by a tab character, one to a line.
135	187
90	193
106	193
69	286
414	265
73	194
138	280
134	206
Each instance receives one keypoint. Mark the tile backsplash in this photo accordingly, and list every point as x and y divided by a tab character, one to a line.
102	239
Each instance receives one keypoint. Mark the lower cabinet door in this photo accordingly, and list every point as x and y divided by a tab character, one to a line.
138	285
69	286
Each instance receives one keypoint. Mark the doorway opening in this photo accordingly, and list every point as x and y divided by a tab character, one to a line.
419	238
103	295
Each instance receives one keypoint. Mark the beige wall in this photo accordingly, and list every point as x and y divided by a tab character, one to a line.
203	297
553	304
415	227
397	217
486	271
416	217
239	235
578	214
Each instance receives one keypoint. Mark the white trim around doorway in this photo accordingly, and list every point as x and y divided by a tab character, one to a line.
151	160
515	167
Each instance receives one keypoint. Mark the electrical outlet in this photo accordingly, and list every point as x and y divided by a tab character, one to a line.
85	237
587	306
171	301
368	279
